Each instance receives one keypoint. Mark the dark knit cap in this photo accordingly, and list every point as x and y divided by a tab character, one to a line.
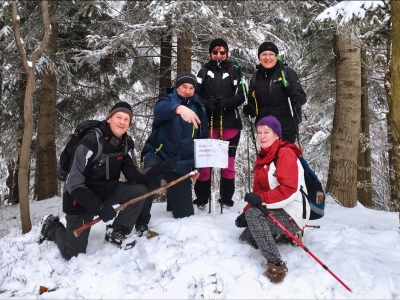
185	77
267	46
121	107
272	123
218	42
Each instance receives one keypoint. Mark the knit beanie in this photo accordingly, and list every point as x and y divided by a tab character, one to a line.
272	123
121	107
185	77
267	46
218	42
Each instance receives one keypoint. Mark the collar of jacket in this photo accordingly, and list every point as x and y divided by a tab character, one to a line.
213	64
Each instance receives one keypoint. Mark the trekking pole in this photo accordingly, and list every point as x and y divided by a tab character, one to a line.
313	226
267	213
284	81
221	181
212	169
239	65
78	231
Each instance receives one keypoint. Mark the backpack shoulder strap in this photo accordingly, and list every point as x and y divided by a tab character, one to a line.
204	74
99	135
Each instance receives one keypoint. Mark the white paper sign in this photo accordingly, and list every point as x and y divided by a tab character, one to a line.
210	153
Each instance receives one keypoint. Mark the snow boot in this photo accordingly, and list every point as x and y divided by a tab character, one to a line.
202	189
227	189
49	225
276	272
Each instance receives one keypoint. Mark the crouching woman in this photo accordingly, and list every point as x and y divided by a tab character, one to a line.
278	176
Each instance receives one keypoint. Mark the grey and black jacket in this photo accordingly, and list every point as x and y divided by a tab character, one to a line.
90	183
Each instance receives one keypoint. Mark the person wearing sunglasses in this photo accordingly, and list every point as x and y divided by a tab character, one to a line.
218	86
269	96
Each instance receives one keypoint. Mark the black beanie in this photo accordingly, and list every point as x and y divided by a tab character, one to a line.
185	77
218	42
267	46
121	107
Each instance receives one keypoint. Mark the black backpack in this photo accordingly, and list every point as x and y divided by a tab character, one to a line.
80	131
315	193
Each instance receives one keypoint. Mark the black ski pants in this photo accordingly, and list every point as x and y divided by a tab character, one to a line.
70	245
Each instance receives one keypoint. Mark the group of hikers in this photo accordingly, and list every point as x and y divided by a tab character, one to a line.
197	107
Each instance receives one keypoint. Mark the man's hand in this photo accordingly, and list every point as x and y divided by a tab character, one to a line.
188	115
106	213
169	165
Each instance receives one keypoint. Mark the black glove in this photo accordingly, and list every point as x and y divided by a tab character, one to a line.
221	102
287	90
210	103
241	221
106	213
169	165
249	110
252	198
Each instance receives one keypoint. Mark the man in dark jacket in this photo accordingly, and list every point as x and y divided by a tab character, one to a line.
179	118
221	93
92	187
268	95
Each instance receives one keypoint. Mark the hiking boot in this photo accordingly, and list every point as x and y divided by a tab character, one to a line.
49	225
140	229
276	272
201	205
228	203
115	236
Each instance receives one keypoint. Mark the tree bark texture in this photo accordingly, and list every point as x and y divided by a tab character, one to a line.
342	174
364	180
46	184
29	70
394	104
184	54
165	63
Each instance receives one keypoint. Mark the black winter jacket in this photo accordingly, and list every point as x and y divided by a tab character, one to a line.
269	97
87	186
218	82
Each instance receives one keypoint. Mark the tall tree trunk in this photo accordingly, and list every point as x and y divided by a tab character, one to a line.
184	54
394	104
29	69
342	175
364	186
393	205
2	47
12	182
46	184
165	63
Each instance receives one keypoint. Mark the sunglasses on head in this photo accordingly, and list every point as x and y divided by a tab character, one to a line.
220	52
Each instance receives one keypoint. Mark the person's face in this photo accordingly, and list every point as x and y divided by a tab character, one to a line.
119	123
185	90
266	136
219	53
267	59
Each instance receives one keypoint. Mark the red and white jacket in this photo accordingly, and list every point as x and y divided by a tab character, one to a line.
280	187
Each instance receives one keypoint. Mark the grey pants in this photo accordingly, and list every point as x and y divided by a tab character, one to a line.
70	245
261	229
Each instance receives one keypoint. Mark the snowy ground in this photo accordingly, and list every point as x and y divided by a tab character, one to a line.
198	257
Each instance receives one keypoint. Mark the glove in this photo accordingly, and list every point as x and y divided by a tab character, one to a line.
169	165
252	198
221	102
241	221
210	103
288	90
106	213
249	110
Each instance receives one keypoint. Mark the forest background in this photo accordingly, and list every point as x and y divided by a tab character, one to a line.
75	59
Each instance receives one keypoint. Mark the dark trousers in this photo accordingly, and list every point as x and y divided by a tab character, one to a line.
70	245
179	196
